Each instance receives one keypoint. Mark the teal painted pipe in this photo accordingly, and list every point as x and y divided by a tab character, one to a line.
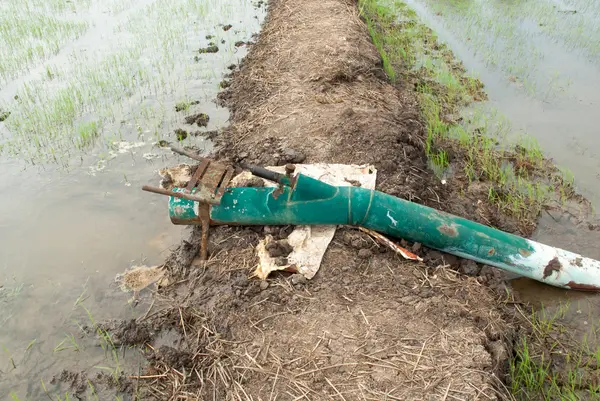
307	201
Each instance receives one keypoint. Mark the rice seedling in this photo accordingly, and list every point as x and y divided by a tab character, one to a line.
67	397
7	293
44	388
14	396
31	344
532	373
73	106
183	105
567	177
515	168
83	296
528	376
515	37
68	342
440	163
108	346
28	35
9	355
93	390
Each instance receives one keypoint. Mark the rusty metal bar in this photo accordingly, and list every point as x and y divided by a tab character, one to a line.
226	179
191	155
197	174
181	195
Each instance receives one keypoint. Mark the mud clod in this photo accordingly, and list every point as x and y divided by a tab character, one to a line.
291	156
127	332
469	267
227	27
173	357
76	381
298	279
209	49
278	248
253	182
200	119
239	43
4	115
184	106
553	266
285	232
365	253
282	261
450	260
181	134
416	247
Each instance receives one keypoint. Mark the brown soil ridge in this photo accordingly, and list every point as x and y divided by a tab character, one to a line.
313	83
369	328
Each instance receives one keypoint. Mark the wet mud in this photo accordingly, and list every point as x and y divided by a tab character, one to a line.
200	119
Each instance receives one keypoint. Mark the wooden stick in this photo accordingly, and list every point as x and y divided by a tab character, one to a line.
191	155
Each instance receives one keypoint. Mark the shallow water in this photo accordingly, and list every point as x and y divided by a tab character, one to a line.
540	64
72	216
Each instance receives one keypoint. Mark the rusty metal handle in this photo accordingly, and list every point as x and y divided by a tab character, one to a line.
262	172
181	195
255	170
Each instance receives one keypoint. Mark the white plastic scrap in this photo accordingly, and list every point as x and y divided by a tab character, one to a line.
309	243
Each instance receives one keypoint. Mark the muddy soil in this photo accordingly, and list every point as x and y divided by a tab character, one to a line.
361	329
369	327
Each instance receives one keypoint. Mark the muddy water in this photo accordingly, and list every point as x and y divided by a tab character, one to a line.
540	63
67	228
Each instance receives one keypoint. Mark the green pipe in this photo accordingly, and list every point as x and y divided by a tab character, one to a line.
307	201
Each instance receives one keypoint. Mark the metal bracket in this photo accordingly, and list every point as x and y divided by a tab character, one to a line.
210	179
206	186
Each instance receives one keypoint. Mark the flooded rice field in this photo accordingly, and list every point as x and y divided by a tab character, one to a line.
88	89
540	63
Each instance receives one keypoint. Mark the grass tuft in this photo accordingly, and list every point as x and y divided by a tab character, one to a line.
519	180
550	364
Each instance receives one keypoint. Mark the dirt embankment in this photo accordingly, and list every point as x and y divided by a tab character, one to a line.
375	327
